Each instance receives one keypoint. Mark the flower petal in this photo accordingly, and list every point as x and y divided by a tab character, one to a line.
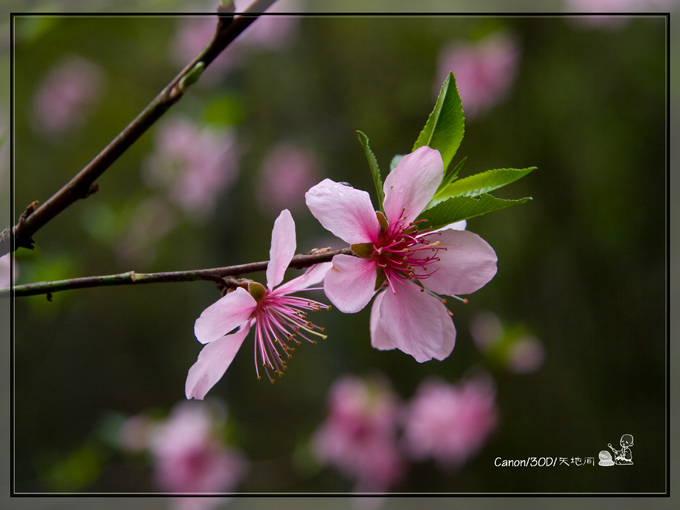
344	211
312	276
227	313
282	248
448	332
466	265
379	339
412	184
350	283
212	363
411	319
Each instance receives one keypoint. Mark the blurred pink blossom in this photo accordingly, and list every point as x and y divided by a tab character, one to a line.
136	433
526	354
450	423
192	165
7	264
484	71
358	437
614	6
517	350
188	454
66	96
287	173
268	32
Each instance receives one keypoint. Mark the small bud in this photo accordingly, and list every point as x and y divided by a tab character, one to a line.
257	290
192	76
382	220
363	250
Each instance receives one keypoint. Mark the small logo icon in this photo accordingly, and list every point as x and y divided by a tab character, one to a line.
605	458
622	457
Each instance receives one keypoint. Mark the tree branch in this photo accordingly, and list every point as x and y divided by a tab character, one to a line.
82	185
132	278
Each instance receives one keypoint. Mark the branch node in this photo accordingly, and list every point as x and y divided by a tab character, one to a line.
28	211
226	9
92	189
316	251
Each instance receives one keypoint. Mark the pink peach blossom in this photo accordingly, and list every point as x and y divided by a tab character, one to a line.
190	458
270	31
411	266
450	423
66	96
277	317
192	165
188	453
7	267
484	71
287	172
359	434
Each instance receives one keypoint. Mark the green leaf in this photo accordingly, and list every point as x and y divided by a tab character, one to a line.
395	161
463	208
375	169
451	175
479	184
446	124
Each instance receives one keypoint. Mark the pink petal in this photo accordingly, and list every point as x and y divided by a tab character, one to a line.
467	264
379	338
282	248
312	276
412	321
227	313
212	363
350	283
448	331
344	211
412	184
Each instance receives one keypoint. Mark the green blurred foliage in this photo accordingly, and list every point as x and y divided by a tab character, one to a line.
583	264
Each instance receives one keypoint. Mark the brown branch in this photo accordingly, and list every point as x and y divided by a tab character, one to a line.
218	275
82	185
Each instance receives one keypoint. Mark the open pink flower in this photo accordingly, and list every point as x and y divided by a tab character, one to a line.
277	317
410	265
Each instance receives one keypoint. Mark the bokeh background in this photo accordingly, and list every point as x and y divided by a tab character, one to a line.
582	267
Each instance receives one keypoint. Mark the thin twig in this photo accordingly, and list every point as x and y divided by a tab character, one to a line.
132	278
82	185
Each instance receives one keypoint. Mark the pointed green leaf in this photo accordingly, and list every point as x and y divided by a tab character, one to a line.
375	169
446	124
463	208
451	175
479	184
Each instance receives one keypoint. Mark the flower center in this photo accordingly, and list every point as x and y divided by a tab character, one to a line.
280	319
403	253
